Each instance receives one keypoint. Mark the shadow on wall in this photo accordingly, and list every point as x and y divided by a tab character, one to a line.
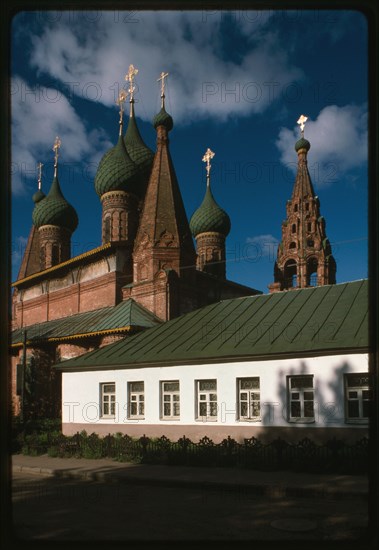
329	411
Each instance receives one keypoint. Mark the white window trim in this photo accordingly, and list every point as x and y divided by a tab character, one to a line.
136	393
102	394
362	419
239	391
172	393
300	419
207	418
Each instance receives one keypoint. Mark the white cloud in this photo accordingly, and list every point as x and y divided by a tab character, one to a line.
264	245
187	45
39	116
338	139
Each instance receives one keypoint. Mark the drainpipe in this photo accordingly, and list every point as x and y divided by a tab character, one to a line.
23	370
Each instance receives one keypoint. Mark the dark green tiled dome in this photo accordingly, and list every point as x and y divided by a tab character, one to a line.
209	217
116	172
140	154
163	119
54	209
302	143
38	196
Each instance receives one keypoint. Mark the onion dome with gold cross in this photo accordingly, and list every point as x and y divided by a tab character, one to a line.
302	143
209	217
137	150
53	209
163	118
117	171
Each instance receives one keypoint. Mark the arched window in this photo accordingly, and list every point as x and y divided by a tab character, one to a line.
294	228
296	207
42	257
309	226
310	242
55	254
293	245
312	272
290	274
107	229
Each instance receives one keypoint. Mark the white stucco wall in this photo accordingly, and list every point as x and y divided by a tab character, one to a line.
81	394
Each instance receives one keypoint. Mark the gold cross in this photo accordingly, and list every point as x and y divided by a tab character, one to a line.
129	78
162	77
301	121
56	147
207	158
39	165
120	101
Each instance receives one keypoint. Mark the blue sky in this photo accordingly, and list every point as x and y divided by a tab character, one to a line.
238	82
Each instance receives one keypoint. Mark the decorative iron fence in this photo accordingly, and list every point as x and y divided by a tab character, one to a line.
305	455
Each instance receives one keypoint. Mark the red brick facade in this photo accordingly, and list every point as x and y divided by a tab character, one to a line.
304	255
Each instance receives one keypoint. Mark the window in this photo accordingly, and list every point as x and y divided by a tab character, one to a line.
207	399
293	228
357	396
107	229
292	245
55	254
296	207
108	399
170	400
309	226
136	399
249	399
307	206
301	398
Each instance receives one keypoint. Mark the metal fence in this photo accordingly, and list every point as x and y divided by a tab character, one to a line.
305	455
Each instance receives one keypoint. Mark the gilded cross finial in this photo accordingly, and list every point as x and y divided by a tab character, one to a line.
56	147
120	102
207	158
129	77
39	166
162	78
301	122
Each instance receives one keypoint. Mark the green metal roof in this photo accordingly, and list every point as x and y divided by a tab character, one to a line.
320	320
108	319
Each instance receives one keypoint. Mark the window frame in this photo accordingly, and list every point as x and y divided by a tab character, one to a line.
207	393
102	402
359	389
249	418
172	402
138	401
301	391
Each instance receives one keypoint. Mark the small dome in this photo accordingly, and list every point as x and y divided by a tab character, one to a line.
38	196
116	171
302	143
163	119
209	217
54	209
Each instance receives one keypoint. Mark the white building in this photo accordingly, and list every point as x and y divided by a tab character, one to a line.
289	364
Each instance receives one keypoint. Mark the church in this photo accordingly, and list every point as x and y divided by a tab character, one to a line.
146	335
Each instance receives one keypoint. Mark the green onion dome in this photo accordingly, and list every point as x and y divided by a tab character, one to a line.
38	196
54	209
209	217
163	119
140	154
302	143
116	171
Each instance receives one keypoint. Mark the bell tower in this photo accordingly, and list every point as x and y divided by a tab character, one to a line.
304	256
